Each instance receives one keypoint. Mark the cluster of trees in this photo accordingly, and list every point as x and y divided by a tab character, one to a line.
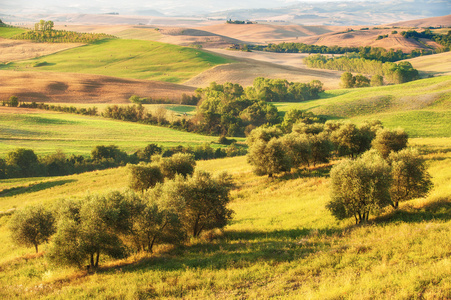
371	182
229	21
379	171
278	149
367	52
231	110
392	72
350	81
280	90
25	163
46	34
118	224
43	25
13	101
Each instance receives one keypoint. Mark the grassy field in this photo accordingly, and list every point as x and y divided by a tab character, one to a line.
421	107
8	32
127	59
46	132
281	243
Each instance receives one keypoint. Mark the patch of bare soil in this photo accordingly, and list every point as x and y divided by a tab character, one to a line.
12	50
83	88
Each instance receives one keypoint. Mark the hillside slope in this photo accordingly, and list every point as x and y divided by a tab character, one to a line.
422	107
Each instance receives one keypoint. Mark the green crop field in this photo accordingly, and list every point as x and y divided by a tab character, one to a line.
281	243
8	32
126	58
422	107
46	132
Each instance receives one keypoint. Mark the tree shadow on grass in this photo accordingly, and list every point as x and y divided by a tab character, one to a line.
34	187
440	209
318	171
236	249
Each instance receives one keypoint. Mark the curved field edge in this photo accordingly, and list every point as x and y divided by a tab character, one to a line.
136	59
282	242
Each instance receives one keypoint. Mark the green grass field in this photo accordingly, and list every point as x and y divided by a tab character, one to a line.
422	107
9	32
282	243
46	132
126	58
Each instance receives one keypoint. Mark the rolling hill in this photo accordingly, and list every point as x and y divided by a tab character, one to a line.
125	58
422	107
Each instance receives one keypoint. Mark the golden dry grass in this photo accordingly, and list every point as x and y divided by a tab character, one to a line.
434	22
438	64
364	38
250	65
11	50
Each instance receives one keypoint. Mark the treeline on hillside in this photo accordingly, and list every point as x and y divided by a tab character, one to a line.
367	52
119	224
442	39
44	33
392	72
379	170
90	111
25	163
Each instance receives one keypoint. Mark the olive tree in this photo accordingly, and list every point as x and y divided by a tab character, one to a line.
359	187
387	140
179	163
206	200
267	152
89	228
144	176
32	226
156	217
298	149
409	175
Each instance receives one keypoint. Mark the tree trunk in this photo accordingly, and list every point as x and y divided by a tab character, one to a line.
92	260
36	247
97	258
